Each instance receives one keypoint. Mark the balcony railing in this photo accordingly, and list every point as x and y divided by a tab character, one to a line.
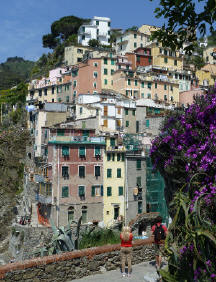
43	199
76	139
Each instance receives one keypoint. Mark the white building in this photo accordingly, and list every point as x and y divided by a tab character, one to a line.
99	29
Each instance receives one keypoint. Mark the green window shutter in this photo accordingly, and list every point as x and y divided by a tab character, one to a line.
135	82
97	151
102	190
109	173
93	191
105	61
139	181
129	81
165	86
123	157
82	151
149	59
175	62
126	112
65	192
46	152
112	142
149	85
120	190
67	99
138	164
134	112
142	84
156	85
127	123
105	71
65	172
147	123
118	157
109	191
60	132
112	62
65	151
112	72
113	157
108	156
81	171
118	172
97	170
165	60
105	81
139	207
81	190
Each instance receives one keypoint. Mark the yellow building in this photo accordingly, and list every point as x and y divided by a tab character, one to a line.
207	75
108	67
114	181
165	57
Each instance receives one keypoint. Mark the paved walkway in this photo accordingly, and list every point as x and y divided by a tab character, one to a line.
145	272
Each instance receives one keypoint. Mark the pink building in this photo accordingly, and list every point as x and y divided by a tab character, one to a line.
186	97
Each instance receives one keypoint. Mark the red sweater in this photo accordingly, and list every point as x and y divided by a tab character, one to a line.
126	243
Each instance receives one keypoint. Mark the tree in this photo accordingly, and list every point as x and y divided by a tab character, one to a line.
61	30
94	43
184	21
185	155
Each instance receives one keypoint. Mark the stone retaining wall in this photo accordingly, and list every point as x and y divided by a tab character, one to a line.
74	265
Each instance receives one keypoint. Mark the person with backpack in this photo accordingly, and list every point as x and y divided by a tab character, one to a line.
159	231
126	249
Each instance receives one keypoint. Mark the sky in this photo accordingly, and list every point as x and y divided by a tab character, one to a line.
24	22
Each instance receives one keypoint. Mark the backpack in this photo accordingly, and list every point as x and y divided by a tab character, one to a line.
159	233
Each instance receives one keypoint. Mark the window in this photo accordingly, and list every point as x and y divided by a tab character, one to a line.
97	151
171	98
81	171
83	29
82	152
149	85
127	123
149	96
65	151
165	52
149	60
95	74
112	62
67	99
65	192
75	83
135	82
60	132
135	44
160	50
171	88
165	60
109	191
165	97
139	181
113	157
139	207
40	92
135	35
118	157
70	214
175	62
95	85
120	190
134	112
97	22
108	23
83	37
126	112
109	173
147	123
84	214
95	64
105	71
45	92
97	171
138	164
129	81
53	90
105	123
53	100
138	59
123	157
165	87
105	61
142	84
116	212
112	72
137	126
81	110
142	95
108	156
118	172
112	142
155	84
105	81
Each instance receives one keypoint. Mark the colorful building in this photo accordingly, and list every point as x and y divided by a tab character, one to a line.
114	181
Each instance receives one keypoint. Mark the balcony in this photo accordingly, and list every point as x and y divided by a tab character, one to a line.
76	140
102	34
43	199
116	149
